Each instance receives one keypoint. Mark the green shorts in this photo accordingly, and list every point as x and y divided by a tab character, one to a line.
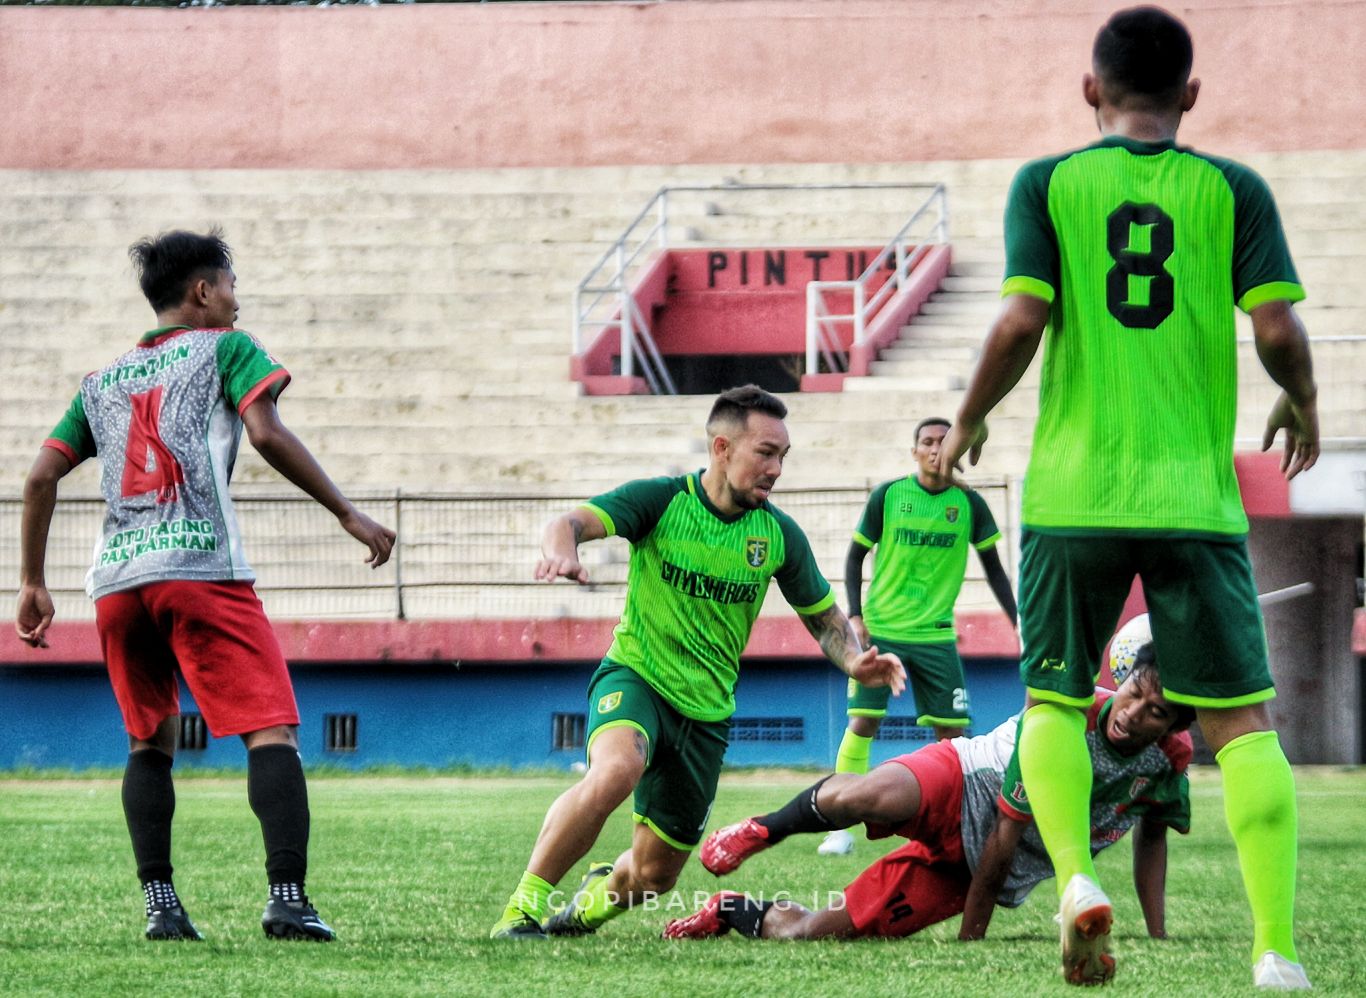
1207	626
937	682
682	756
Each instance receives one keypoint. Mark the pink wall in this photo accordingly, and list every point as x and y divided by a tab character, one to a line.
702	81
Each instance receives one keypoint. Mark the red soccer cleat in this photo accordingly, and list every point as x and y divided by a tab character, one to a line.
726	848
706	921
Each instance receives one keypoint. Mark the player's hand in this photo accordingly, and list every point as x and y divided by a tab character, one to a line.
561	566
378	538
1301	425
962	438
860	629
872	668
33	615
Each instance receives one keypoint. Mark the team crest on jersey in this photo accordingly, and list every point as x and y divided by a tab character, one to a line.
756	551
609	703
951	514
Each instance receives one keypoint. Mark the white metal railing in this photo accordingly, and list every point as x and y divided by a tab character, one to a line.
908	247
603	300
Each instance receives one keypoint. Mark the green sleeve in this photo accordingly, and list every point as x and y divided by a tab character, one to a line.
72	434
804	587
1033	264
1262	268
869	530
1172	803
632	510
984	533
246	370
1014	802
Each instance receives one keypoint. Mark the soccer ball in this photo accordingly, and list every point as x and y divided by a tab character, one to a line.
1124	648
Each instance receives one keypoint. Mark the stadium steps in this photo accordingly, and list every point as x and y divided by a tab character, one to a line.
425	315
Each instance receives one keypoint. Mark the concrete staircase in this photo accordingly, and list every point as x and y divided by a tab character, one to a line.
425	317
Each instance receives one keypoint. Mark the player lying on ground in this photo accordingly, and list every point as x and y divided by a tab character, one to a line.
972	843
704	548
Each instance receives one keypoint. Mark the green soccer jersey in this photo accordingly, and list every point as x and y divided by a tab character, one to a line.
1143	250
696	583
922	541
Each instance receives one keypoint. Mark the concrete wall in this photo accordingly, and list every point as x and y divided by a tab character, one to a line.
442	715
1318	678
465	85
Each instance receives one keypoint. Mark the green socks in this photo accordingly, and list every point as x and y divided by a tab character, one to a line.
1056	768
853	754
1259	804
532	897
592	905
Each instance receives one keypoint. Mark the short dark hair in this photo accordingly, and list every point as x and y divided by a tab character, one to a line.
735	404
167	264
1144	671
927	421
1143	53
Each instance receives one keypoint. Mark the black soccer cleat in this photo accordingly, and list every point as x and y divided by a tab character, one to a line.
568	921
295	920
172	924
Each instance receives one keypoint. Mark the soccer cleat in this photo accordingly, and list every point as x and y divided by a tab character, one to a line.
295	920
704	922
1275	973
1086	920
516	924
726	848
172	923
568	920
840	842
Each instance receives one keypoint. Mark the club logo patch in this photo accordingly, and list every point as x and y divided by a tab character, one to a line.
951	514
609	703
756	551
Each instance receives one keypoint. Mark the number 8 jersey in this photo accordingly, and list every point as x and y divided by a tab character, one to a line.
1143	250
165	421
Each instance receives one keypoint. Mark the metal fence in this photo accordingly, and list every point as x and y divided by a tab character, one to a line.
458	556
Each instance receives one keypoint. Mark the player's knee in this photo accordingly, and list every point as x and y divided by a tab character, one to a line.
872	798
611	781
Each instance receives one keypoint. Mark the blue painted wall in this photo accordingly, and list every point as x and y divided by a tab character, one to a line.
421	715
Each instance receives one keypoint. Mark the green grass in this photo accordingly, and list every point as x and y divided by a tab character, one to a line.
412	871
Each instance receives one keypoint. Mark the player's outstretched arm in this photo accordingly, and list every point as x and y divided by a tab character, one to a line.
560	545
34	612
286	453
1006	354
837	638
1150	874
999	582
1283	348
998	852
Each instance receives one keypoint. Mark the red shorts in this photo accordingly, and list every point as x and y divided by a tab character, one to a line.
217	633
926	880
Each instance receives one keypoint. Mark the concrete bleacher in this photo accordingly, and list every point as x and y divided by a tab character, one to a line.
425	316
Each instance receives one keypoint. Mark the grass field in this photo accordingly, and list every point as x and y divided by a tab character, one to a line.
411	871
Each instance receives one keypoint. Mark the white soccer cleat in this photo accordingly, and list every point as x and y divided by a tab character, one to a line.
1086	920
1275	973
837	843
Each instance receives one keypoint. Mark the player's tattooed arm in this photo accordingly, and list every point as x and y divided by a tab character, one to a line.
841	644
560	545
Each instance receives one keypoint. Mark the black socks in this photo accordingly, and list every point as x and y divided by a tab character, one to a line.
148	807
279	797
800	814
